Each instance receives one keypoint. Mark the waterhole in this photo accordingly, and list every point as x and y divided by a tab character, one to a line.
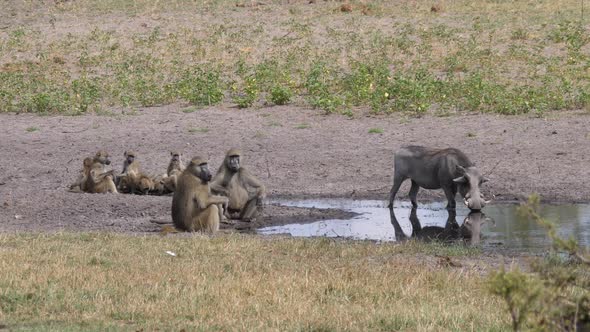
498	225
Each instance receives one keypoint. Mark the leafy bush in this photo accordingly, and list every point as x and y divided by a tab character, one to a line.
280	95
556	297
199	87
249	94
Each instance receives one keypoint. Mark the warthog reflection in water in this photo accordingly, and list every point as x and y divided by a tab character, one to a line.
470	230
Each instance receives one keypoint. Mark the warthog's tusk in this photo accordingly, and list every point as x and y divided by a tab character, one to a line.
488	202
465	201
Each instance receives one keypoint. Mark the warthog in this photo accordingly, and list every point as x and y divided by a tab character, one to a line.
449	169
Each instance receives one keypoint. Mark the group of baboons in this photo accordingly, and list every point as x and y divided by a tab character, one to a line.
200	201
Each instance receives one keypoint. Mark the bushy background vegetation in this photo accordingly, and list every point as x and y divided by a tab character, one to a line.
507	57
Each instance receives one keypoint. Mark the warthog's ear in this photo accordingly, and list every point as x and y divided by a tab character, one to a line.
460	179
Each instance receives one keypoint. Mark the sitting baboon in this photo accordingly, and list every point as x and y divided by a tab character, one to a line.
80	184
131	179
97	179
244	190
175	168
193	206
130	165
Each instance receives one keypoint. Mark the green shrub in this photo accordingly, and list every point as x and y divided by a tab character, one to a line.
280	95
556	296
201	88
249	94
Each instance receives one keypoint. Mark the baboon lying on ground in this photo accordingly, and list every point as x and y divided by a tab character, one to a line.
244	190
132	180
193	206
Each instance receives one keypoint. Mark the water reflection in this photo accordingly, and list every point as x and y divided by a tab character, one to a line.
470	229
499	227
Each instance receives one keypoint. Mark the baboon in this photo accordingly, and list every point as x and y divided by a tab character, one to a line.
193	206
130	165
159	185
166	183
175	168
244	190
80	184
97	180
131	179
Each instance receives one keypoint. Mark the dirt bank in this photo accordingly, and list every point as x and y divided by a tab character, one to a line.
296	152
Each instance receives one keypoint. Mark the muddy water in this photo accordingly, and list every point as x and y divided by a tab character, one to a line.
498	226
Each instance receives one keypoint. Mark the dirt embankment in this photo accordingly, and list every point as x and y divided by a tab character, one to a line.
295	152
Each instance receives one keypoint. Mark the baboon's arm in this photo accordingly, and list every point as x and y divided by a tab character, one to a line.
204	199
216	184
97	177
253	182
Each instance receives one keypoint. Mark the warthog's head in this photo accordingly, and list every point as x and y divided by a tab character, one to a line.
468	184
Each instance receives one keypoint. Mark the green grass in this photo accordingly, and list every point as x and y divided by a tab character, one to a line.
499	56
94	282
191	109
375	131
193	130
303	126
32	129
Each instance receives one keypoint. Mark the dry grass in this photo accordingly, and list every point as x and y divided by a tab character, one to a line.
232	282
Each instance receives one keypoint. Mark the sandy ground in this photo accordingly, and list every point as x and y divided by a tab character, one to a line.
296	152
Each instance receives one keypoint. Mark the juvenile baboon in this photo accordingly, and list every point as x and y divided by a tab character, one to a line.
131	179
244	190
97	179
175	168
130	165
193	206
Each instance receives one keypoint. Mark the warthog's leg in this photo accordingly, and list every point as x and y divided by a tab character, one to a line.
450	192
414	193
397	182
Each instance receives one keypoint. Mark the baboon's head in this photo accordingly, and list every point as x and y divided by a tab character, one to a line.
87	162
175	156
232	160
102	157
124	184
199	168
129	157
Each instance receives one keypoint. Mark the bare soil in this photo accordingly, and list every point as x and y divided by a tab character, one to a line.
296	152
